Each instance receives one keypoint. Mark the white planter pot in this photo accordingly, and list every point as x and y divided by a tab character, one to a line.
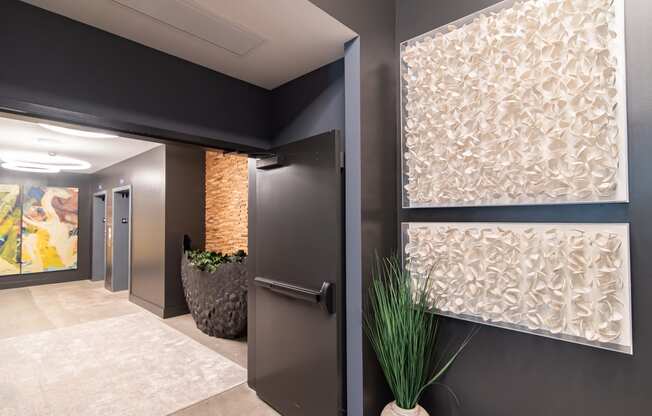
393	410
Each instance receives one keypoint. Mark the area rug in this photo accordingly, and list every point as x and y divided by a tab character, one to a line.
129	365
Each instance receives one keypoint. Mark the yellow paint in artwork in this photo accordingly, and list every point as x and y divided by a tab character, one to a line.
47	252
49	237
10	216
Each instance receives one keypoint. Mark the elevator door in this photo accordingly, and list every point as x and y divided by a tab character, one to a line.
99	237
298	254
121	264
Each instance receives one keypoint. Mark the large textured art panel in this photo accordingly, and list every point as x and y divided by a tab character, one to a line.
565	281
520	104
9	229
50	229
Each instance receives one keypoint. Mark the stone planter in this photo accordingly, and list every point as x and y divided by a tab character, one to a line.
218	300
393	410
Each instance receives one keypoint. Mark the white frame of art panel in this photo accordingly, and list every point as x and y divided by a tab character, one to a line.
517	104
566	281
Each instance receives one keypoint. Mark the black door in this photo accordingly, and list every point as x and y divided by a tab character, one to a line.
299	283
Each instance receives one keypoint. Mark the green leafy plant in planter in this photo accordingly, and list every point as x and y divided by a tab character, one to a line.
209	261
404	333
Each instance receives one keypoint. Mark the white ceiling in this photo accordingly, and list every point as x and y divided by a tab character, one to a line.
18	135
264	42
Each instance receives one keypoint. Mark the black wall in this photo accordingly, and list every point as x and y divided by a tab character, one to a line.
53	61
371	79
81	181
505	373
309	105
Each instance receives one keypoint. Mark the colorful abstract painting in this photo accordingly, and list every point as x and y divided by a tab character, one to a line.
50	229
9	229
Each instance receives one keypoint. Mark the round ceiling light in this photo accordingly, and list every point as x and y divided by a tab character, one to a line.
24	168
37	162
77	132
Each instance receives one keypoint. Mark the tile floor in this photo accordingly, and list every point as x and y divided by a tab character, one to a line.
31	310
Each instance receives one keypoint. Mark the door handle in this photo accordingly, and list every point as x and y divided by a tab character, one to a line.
323	297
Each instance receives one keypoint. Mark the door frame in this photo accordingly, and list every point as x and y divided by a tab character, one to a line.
106	206
115	191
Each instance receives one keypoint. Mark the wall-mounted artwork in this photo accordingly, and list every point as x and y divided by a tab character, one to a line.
50	229
10	220
520	104
565	281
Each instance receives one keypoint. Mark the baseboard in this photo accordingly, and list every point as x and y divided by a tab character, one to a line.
162	312
37	279
172	311
149	306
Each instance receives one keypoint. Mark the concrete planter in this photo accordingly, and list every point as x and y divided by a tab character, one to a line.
218	300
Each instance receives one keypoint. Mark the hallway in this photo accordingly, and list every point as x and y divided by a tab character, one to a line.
76	348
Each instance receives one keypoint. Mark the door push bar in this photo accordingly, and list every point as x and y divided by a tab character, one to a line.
323	297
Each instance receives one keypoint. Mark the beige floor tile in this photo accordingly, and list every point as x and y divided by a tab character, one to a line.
20	315
132	365
238	401
35	309
39	308
234	350
74	303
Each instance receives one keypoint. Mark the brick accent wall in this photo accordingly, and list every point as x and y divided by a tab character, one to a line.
227	188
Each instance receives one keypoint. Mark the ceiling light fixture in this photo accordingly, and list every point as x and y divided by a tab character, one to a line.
76	132
24	168
44	163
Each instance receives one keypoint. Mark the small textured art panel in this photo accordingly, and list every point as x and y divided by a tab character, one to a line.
520	104
565	281
9	230
50	229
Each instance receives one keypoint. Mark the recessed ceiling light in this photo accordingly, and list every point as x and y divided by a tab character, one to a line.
22	168
77	132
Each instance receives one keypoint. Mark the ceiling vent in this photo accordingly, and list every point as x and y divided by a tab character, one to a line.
197	23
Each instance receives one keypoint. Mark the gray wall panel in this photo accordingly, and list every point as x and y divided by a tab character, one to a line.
146	174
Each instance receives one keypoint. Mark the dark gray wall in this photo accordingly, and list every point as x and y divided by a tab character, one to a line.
370	144
146	174
184	214
309	105
83	271
505	373
53	61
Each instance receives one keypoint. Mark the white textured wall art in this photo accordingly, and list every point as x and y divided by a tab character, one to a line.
566	281
523	103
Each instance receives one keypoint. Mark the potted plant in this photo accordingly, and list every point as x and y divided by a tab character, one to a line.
403	333
215	286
